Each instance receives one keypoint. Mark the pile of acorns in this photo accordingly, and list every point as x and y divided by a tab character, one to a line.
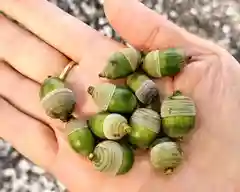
130	116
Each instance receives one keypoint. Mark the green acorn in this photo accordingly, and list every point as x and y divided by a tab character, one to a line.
121	63
111	126
164	63
165	155
145	124
57	100
144	88
113	98
178	115
79	136
112	158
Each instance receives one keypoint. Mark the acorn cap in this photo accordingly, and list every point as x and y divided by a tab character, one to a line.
102	94
166	156
112	158
178	105
79	136
144	88
59	104
178	115
109	126
160	140
147	118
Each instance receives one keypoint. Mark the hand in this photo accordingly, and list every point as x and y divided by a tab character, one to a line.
212	80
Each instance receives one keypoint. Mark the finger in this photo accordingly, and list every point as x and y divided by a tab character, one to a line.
23	93
30	137
15	46
28	54
153	30
66	33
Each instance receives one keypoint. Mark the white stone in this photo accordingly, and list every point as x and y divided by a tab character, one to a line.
37	170
24	165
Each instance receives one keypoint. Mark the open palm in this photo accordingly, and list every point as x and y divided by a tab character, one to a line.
211	150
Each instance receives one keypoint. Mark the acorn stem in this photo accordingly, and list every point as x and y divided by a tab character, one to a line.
66	70
91	156
90	90
168	171
127	128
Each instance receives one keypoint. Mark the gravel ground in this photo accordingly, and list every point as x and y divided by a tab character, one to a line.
217	20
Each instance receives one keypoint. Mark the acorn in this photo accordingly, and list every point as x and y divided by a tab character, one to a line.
165	155
145	124
57	100
112	158
178	114
164	63
110	126
121	63
113	98
79	136
144	88
155	105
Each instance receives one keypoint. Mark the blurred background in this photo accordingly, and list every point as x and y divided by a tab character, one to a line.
218	20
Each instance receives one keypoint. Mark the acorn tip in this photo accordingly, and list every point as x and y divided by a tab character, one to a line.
91	156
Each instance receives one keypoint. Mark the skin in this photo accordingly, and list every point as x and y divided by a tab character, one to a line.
212	152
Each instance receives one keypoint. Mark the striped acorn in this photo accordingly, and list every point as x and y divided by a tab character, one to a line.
112	158
178	114
121	63
111	126
80	137
145	124
165	155
144	88
164	63
57	100
113	98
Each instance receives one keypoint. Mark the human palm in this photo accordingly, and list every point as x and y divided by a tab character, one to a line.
211	79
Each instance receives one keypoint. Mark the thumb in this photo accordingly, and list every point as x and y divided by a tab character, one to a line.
146	30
